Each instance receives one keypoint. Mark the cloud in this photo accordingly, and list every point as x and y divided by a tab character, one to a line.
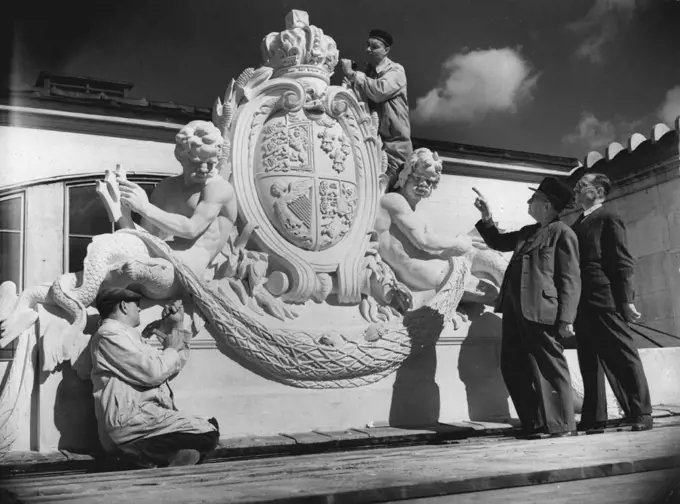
670	108
593	134
476	83
601	24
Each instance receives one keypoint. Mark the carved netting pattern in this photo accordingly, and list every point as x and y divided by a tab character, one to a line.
297	358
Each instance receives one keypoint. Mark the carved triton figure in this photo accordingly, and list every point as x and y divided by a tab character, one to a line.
194	212
421	259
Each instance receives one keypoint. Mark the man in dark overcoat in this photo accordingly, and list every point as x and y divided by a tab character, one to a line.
538	299
604	340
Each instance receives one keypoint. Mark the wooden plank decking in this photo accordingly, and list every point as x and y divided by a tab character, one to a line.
652	487
377	475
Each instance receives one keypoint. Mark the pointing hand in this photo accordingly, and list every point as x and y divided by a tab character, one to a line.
482	205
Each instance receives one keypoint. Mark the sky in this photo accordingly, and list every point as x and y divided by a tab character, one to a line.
554	77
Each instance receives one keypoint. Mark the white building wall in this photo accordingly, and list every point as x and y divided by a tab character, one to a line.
29	155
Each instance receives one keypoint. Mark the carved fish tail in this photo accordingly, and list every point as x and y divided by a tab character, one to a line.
66	297
105	252
74	292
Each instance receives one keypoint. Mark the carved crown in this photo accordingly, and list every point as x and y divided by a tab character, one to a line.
301	48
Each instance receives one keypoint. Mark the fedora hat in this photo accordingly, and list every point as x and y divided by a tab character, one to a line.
556	192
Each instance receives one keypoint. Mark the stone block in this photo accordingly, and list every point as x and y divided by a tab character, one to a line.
80	457
344	436
661	412
656	305
669	195
30	457
460	426
651	272
674	229
662	368
673	408
491	427
256	441
639	205
394	434
648	235
674	274
308	438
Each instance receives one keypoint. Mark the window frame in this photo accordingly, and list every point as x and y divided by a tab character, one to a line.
87	182
7	353
21	195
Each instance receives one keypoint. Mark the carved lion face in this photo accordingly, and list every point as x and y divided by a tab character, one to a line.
198	170
423	180
421	174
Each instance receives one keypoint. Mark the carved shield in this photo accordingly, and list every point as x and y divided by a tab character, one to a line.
306	179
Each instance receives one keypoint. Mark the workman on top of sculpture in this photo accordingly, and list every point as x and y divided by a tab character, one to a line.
383	86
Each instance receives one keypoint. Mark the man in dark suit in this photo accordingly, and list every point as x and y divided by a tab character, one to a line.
603	337
538	299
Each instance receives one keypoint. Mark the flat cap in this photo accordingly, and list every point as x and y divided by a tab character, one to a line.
108	299
381	35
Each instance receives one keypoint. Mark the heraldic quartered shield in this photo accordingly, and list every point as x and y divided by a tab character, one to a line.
306	164
306	180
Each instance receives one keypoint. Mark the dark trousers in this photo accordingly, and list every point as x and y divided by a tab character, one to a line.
536	373
398	153
160	450
605	345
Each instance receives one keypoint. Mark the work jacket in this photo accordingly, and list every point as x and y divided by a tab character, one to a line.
130	385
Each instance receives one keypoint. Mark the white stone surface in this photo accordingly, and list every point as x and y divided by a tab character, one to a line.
451	208
31	155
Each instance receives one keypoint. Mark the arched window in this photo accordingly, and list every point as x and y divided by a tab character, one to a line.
86	217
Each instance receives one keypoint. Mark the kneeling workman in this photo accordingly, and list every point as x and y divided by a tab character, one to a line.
134	405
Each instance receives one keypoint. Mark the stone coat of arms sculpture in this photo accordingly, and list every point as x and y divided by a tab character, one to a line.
306	166
300	290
